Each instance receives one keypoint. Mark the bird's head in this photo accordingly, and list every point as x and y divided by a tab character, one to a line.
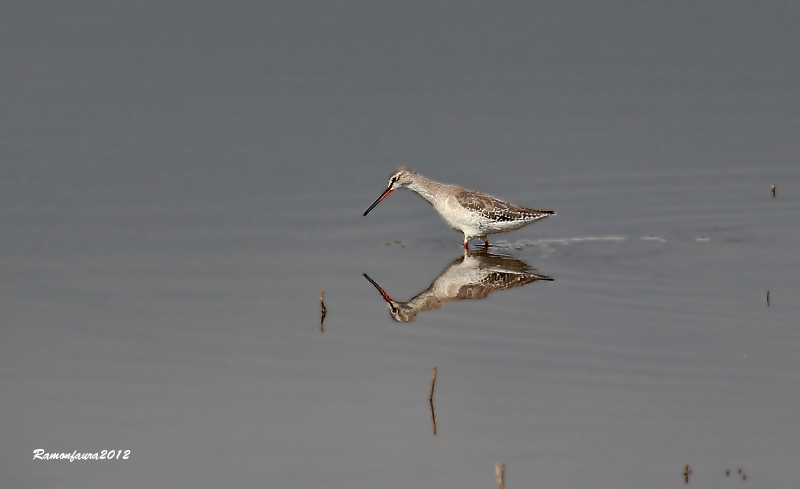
402	177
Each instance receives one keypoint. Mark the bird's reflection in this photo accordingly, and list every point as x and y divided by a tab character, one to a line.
472	276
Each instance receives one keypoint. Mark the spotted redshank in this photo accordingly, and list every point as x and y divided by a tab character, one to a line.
472	276
474	214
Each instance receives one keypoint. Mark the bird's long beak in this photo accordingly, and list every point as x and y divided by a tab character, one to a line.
383	293
384	194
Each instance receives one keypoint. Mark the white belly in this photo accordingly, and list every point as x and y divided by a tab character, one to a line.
474	224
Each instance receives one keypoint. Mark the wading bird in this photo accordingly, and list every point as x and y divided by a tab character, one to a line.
475	214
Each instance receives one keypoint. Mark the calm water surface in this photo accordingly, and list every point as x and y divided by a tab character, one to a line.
169	221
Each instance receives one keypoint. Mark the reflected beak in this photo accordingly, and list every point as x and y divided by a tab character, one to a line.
384	294
384	194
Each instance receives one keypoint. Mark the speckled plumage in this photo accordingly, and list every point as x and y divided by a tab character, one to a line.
497	210
472	213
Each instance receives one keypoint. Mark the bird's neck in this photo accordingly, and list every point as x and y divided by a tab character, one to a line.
426	188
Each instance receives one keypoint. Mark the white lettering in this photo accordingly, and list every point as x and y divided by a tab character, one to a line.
40	454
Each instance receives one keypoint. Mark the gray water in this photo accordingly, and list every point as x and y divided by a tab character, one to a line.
181	181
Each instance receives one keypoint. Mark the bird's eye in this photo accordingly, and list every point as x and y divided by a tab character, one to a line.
394	179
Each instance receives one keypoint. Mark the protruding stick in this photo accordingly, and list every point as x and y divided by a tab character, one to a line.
324	311
433	417
500	472
433	383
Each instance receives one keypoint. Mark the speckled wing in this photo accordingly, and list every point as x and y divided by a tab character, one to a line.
498	281
497	210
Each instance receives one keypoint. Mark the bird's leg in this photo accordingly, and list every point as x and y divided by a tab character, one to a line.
485	243
465	245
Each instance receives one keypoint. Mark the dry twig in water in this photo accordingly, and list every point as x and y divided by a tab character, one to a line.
433	417
500	472
433	383
324	311
433	412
